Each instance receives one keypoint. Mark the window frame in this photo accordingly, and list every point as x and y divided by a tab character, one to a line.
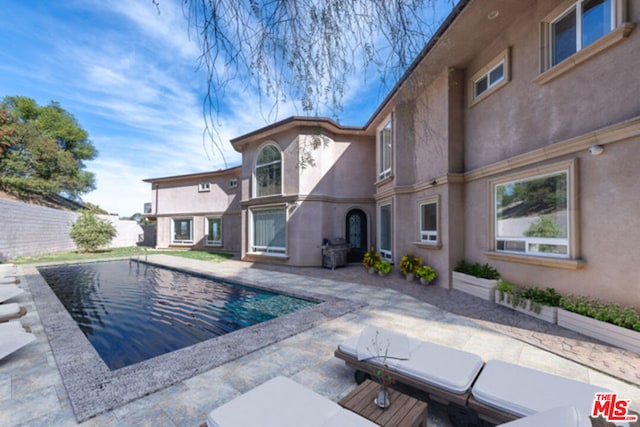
421	229
204	187
208	242
387	254
382	157
573	251
503	58
233	183
274	251
174	241
256	166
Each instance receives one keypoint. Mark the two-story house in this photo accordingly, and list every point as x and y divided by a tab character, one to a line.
513	139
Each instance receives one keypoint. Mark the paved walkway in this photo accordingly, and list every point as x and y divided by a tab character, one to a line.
32	392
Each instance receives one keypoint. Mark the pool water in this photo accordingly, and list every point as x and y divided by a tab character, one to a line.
132	312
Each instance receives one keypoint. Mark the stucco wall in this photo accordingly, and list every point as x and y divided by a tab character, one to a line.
27	230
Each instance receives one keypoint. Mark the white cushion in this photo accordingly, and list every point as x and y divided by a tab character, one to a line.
9	291
382	344
279	402
6	280
563	416
346	418
9	309
524	391
12	338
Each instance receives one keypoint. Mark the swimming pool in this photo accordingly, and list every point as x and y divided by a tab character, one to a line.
132	312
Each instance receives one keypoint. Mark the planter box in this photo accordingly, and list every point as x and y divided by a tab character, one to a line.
481	288
603	331
548	314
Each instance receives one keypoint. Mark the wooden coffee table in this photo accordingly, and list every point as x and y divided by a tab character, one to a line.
404	411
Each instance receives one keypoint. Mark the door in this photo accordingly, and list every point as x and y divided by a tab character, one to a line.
356	230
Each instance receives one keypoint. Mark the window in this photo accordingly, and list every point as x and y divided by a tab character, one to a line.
385	137
489	78
233	183
579	26
268	174
269	231
429	222
182	230
532	215
203	187
384	229
213	231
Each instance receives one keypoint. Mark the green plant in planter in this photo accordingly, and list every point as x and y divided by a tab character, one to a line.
426	273
627	317
511	293
383	267
483	271
410	263
370	258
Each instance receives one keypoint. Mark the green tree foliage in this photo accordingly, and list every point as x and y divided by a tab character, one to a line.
43	149
90	232
544	226
533	197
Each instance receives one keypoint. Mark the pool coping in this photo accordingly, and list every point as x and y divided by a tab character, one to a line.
93	388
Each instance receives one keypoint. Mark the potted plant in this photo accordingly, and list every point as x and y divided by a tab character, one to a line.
475	279
426	274
383	267
606	322
369	260
539	303
409	263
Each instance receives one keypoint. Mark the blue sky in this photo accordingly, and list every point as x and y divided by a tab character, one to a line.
130	77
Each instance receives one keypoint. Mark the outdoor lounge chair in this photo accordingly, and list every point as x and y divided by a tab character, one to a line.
11	311
13	337
563	416
445	373
8	270
504	391
281	402
9	291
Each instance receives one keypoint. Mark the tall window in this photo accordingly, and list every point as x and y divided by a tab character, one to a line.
269	231
384	215
182	230
429	222
268	174
385	137
532	216
579	26
213	231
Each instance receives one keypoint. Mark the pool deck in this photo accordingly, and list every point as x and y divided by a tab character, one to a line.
32	392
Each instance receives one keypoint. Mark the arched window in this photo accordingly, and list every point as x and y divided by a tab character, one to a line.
268	174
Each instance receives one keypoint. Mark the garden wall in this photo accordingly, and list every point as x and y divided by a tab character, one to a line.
27	230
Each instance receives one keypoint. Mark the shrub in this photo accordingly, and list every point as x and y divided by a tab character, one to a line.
482	271
426	273
627	317
90	232
410	263
383	267
371	257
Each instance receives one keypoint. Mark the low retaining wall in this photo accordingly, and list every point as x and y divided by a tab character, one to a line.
28	230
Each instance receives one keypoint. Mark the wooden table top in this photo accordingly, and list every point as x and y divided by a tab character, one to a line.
404	411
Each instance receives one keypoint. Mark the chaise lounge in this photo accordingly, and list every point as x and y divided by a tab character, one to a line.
11	311
9	291
13	336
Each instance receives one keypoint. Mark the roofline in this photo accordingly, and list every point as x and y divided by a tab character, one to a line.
425	51
302	121
193	175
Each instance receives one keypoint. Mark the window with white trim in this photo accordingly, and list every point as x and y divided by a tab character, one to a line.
580	25
205	186
182	231
385	231
385	141
233	183
268	172
213	231
429	222
489	78
268	234
532	215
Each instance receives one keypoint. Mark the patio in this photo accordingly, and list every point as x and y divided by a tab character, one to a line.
32	392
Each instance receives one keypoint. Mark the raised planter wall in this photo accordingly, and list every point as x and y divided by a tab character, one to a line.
603	331
481	288
548	314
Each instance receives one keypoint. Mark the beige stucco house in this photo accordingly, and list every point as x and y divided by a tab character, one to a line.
513	139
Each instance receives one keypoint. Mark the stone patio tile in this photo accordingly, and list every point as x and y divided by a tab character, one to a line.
24	409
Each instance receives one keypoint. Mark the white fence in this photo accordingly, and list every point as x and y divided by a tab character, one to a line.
28	230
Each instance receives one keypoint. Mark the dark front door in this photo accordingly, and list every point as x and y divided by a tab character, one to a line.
356	234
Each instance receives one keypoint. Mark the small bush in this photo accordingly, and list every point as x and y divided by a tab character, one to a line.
627	317
482	271
90	232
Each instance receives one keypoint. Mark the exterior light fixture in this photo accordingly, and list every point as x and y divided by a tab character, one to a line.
596	150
